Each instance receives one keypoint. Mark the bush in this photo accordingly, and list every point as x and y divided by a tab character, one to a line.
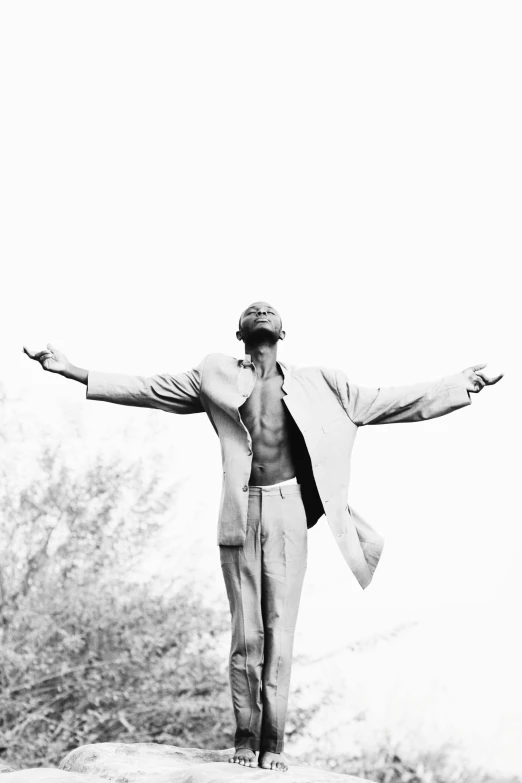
95	666
87	654
384	765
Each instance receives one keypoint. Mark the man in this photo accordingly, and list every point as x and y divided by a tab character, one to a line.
286	437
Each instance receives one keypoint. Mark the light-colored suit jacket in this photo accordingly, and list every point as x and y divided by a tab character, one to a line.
328	410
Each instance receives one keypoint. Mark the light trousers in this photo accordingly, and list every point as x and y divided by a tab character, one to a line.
264	579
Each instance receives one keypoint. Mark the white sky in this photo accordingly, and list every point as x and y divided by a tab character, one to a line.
356	164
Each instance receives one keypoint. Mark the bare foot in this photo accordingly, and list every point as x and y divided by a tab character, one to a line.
244	756
269	760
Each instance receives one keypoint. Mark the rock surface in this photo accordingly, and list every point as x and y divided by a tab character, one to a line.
49	775
133	762
150	763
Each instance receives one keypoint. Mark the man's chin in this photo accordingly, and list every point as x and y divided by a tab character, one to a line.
262	333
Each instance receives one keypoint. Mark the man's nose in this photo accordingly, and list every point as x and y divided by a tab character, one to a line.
262	311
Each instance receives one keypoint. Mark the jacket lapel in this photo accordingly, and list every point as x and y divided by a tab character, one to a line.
293	399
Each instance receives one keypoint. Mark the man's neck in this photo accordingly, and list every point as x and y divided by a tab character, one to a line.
264	356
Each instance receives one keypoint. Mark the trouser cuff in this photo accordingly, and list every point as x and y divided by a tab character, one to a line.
248	744
272	746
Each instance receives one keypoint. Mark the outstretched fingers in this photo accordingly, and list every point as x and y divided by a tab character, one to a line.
478	378
489	381
37	355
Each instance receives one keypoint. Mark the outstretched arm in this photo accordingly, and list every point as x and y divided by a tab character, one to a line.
179	393
412	403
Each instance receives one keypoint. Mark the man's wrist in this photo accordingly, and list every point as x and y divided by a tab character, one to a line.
76	373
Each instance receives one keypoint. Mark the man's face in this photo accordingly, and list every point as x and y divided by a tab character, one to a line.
260	321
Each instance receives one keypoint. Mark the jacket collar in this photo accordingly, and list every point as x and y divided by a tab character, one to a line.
287	375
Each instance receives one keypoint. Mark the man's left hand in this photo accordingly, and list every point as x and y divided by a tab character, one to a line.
476	378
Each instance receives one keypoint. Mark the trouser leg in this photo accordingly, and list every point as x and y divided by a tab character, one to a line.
241	568
284	546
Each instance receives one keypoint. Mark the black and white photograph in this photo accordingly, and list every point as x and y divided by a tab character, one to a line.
293	225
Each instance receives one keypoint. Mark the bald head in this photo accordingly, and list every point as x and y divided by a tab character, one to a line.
260	322
268	309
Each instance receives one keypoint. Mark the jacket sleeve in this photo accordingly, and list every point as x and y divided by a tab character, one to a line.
402	403
178	393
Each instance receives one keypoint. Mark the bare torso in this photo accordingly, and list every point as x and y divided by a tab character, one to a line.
264	416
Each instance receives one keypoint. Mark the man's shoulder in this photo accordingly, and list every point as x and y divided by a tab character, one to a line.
311	371
219	362
316	375
220	358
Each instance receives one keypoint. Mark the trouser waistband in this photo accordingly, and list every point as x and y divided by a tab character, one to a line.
276	489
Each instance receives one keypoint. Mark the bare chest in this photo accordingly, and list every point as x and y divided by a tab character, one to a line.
265	407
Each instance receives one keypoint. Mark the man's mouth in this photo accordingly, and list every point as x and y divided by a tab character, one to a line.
262	320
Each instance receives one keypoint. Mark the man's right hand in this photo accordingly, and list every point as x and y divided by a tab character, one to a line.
51	359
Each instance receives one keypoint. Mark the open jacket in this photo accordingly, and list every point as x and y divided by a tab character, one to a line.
326	409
